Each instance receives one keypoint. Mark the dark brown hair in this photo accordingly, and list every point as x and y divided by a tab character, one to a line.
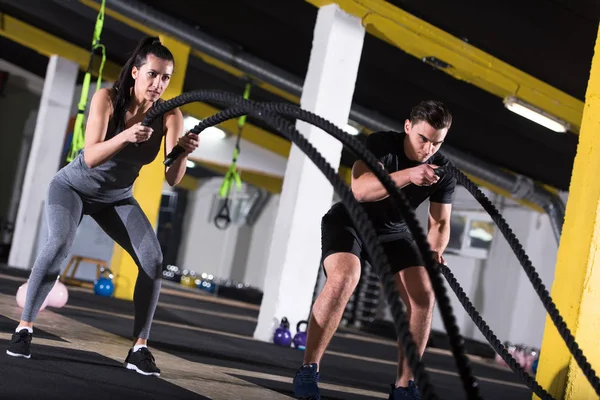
122	87
435	113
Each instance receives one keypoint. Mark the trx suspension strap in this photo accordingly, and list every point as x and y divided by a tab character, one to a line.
223	218
78	140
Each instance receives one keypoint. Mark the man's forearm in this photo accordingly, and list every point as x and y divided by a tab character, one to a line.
369	189
439	236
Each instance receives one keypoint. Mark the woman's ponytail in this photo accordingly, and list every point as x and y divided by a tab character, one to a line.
121	90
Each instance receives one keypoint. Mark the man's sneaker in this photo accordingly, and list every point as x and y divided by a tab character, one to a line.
20	344
306	383
142	362
405	393
414	389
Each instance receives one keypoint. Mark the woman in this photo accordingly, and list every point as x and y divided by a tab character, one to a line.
98	182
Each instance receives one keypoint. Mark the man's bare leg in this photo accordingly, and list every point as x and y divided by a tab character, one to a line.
415	289
343	274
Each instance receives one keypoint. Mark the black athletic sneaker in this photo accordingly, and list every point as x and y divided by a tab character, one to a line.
404	393
306	382
20	344
142	362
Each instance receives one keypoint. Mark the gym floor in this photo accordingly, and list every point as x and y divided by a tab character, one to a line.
205	350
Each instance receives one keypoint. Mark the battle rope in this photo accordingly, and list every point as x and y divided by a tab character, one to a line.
514	244
223	217
491	337
533	276
355	211
505	229
78	140
456	341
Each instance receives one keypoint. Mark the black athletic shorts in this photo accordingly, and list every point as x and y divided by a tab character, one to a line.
400	248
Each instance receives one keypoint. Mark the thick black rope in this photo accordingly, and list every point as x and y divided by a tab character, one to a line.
491	337
284	109
517	248
462	179
455	338
356	212
533	276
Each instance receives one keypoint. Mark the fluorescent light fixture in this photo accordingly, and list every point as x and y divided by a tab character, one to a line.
212	132
535	114
190	164
352	130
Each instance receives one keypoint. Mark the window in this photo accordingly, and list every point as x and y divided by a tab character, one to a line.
471	234
481	234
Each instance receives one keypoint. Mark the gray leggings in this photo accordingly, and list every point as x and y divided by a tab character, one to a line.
124	222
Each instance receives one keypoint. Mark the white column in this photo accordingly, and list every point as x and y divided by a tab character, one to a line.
44	156
295	251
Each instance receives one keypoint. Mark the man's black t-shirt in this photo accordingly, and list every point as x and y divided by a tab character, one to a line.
388	148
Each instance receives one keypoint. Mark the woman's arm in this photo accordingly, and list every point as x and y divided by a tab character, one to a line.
97	151
174	127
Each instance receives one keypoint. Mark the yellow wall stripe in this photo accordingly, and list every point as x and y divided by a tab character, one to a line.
47	45
421	39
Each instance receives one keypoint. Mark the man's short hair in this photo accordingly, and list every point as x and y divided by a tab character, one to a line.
435	113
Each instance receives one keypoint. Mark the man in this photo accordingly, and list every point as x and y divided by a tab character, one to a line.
411	159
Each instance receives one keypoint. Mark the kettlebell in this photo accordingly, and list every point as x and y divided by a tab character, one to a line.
300	336
207	285
103	286
282	336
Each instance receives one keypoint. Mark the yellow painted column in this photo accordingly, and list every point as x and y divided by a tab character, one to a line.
148	187
576	288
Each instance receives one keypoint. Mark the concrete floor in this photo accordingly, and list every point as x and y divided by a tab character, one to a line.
205	349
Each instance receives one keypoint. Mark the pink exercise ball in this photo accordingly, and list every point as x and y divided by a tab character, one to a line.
58	295
22	294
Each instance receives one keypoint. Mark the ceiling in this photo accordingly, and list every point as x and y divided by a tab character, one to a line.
553	40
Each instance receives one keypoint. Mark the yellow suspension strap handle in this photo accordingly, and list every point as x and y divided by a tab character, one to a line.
78	141
223	217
